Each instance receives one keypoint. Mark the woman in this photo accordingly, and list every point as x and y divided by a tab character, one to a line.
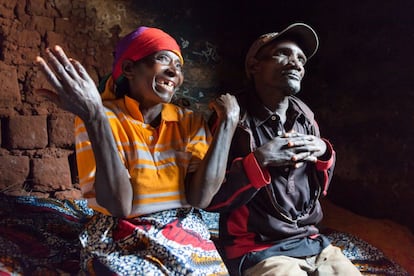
144	164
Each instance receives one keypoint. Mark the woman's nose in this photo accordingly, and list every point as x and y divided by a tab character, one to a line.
173	70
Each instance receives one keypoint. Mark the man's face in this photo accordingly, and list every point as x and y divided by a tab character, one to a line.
280	65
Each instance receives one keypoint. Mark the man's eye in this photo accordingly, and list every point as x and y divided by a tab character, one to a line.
302	60
279	53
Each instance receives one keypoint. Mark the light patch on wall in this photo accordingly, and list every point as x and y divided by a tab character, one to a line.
117	13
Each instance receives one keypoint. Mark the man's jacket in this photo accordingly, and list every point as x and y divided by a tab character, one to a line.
255	213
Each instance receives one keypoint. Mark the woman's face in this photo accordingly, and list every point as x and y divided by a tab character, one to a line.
155	79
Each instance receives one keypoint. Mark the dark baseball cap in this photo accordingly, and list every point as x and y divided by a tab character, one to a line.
301	33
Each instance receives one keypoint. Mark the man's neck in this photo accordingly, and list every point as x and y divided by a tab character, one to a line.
280	108
273	98
277	104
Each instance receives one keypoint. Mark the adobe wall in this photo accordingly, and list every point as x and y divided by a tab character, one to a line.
37	138
359	84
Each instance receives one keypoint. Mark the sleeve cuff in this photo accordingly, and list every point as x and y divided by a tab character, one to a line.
257	175
322	165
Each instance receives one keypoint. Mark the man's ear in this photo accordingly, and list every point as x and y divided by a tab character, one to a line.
252	66
127	68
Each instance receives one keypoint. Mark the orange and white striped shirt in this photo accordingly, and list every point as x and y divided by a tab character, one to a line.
158	159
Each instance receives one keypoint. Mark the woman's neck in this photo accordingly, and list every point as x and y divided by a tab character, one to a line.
152	115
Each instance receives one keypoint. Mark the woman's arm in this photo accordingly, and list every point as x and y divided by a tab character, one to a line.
203	184
76	92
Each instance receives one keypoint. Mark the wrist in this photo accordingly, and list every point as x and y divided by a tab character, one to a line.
96	115
227	125
259	158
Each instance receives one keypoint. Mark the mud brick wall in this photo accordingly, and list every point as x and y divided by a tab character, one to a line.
37	138
360	83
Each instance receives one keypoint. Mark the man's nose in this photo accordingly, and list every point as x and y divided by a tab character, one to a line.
294	61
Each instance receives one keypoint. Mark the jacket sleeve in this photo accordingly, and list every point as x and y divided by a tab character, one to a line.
325	167
325	164
244	178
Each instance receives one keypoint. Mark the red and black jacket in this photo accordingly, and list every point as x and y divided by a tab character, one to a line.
252	216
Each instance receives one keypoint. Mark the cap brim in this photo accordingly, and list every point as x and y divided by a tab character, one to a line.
303	35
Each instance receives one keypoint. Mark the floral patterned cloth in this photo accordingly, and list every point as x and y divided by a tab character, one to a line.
41	237
172	242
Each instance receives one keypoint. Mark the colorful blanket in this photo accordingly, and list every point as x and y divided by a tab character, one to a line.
40	237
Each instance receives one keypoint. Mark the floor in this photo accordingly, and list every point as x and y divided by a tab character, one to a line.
394	240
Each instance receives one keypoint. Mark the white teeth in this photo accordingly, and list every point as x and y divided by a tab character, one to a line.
168	83
167	86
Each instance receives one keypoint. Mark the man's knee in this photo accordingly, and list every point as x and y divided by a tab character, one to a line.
278	265
332	261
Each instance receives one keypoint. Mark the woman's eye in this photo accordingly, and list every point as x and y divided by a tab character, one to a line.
178	65
163	59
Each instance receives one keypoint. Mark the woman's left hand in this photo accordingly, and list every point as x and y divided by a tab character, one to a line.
226	108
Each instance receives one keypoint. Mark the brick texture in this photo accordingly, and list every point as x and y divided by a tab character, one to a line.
13	172
51	174
27	132
9	87
61	130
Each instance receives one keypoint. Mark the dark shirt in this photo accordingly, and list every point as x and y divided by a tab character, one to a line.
274	209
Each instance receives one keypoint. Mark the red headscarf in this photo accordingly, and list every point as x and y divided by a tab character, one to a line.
140	43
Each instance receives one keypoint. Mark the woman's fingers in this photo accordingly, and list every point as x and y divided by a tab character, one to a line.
49	73
57	66
81	71
65	61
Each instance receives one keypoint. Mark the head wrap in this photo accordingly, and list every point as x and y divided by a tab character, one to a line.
140	43
136	45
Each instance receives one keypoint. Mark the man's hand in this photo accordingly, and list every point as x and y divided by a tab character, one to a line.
290	149
75	91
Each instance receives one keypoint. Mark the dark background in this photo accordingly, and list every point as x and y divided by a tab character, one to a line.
359	83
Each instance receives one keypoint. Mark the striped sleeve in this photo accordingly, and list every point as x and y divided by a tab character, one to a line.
199	139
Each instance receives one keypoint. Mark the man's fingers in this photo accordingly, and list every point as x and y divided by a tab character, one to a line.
300	140
310	158
300	156
298	165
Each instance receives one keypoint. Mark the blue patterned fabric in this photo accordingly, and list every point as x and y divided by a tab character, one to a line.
40	236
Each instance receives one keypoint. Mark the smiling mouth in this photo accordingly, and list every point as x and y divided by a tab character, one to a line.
291	75
166	84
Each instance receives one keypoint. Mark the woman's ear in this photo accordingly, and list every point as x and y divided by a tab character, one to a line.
128	68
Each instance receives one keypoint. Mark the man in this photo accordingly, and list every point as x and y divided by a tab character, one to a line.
279	167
